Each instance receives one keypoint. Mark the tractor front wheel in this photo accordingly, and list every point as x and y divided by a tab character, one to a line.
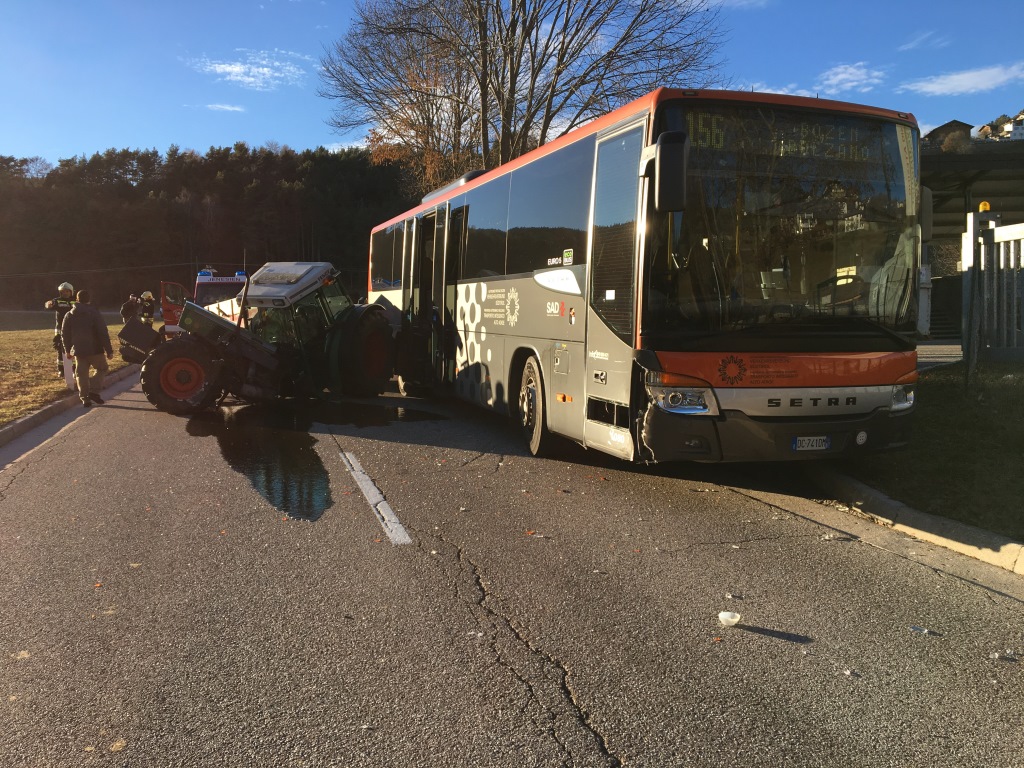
179	377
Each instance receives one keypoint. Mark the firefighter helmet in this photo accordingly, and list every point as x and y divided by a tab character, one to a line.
66	287
147	295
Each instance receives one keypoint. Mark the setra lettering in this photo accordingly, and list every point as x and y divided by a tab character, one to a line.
814	402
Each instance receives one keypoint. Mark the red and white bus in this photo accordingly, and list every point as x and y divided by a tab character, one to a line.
698	275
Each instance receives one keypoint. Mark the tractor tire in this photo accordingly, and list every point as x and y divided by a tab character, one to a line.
366	356
180	377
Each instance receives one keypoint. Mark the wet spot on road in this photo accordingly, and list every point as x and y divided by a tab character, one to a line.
270	449
271	445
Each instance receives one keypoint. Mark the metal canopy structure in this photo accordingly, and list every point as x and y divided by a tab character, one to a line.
992	171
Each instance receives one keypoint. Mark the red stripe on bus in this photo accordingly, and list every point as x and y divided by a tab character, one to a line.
765	369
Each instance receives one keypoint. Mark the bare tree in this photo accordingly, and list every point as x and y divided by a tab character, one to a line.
37	167
24	167
411	96
488	80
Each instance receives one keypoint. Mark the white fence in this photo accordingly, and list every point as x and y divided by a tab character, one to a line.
993	288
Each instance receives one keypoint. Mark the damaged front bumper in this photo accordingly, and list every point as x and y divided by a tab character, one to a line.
733	436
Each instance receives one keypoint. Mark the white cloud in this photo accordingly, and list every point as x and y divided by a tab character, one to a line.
342	146
256	70
925	40
857	78
842	78
225	108
968	81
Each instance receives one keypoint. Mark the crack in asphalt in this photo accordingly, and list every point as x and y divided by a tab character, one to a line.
7	480
549	686
474	459
499	463
10	473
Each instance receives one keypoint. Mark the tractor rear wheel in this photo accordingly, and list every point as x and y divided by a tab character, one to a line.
179	377
365	357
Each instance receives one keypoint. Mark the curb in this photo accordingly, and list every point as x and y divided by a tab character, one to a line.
17	428
864	501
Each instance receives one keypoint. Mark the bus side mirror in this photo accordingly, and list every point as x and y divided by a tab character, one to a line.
926	214
671	158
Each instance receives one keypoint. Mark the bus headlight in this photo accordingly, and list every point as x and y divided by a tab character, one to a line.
902	397
681	394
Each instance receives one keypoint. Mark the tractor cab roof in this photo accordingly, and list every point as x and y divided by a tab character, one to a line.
282	283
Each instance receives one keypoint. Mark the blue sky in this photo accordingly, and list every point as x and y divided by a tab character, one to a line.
83	76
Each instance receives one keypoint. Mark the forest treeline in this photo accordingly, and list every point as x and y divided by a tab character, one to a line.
121	221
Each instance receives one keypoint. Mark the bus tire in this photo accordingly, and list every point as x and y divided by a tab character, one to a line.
179	377
532	417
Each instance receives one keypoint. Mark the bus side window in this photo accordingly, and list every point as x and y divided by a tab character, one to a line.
487	227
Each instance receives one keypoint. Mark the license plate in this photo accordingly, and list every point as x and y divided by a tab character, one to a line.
817	443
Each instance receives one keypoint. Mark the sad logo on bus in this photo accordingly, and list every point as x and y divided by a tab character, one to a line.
732	369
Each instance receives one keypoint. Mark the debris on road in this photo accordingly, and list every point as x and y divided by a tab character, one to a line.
729	618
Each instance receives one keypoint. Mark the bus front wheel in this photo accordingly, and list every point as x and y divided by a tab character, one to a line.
531	409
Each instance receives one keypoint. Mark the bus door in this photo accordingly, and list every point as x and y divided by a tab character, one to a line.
417	339
446	285
612	307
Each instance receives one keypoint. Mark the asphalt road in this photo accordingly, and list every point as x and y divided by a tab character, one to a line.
220	591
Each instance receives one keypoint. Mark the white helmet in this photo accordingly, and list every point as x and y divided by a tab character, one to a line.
66	287
148	295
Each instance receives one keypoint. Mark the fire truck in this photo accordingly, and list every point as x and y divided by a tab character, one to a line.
216	293
296	333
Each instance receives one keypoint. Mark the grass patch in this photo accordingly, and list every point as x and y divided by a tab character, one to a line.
964	460
28	364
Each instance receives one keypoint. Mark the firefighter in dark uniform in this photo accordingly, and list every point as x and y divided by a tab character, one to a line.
130	308
147	308
60	305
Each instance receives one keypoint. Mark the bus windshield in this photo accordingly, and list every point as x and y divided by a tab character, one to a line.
796	220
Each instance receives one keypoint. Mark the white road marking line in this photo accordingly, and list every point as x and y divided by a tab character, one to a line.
385	515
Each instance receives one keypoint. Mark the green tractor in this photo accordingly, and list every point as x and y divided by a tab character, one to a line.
296	333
